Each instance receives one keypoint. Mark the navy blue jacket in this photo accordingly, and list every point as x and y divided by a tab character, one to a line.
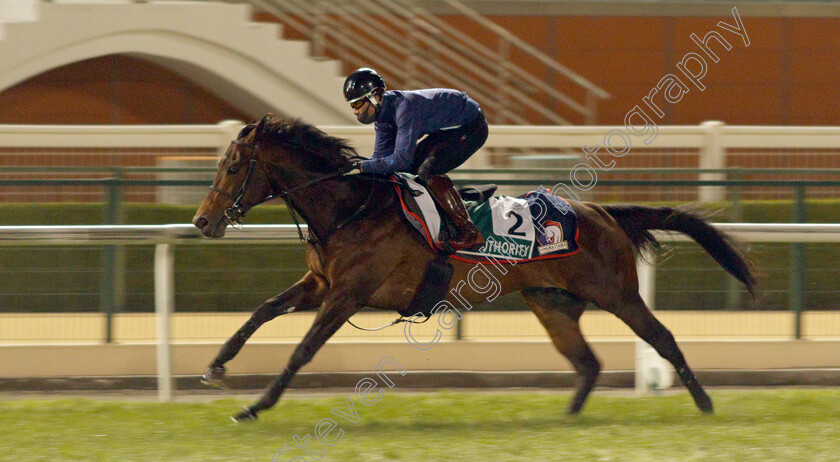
405	116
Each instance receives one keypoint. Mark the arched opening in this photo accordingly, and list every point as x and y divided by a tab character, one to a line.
113	89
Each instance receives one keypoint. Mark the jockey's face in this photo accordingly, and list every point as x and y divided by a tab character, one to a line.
366	113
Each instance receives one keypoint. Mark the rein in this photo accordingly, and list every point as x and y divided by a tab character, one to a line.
287	198
394	322
237	210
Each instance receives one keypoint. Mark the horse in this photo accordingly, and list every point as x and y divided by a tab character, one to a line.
353	220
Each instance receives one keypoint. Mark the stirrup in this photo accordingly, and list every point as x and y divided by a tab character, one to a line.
445	247
448	247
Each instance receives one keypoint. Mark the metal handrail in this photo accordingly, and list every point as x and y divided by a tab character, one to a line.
525	75
388	61
385	60
337	21
519	43
489	70
471	55
347	13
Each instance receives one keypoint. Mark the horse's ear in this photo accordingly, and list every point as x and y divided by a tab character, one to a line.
268	118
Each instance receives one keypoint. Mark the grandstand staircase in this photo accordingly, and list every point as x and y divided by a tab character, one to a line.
248	64
413	48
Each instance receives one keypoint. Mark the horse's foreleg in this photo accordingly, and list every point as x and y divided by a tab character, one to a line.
335	311
305	295
559	313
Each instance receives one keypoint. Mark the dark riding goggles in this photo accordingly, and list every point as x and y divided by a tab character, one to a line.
358	103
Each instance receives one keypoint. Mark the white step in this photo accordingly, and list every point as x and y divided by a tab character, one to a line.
16	11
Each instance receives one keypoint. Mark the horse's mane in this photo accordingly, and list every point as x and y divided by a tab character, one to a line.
330	150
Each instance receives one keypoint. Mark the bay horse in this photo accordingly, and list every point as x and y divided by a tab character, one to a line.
354	220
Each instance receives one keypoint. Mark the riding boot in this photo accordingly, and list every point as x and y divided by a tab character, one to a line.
447	197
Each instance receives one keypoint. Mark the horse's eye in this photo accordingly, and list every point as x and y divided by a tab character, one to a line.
233	170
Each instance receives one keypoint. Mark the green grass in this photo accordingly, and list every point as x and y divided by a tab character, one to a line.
750	425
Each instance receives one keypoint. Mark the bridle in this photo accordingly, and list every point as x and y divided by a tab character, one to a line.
237	210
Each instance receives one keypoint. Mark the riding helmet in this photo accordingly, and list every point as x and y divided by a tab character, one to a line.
361	83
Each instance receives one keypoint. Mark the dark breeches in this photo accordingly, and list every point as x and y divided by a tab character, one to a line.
444	151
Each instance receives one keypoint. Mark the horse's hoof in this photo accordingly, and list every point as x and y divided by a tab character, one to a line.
245	415
574	409
705	404
214	377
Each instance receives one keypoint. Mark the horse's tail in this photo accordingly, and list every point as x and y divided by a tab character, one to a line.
637	221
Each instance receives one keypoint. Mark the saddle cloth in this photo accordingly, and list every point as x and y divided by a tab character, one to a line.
534	226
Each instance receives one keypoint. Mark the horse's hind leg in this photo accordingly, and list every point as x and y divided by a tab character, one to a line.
305	295
635	313
559	312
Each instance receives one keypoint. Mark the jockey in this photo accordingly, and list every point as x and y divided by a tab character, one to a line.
455	126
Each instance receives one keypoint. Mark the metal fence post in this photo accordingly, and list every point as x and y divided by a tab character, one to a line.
736	215
712	156
106	293
110	274
651	369
797	266
164	301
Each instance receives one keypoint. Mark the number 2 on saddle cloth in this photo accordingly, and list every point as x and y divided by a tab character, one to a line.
535	226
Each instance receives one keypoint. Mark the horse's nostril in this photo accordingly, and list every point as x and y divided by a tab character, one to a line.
200	223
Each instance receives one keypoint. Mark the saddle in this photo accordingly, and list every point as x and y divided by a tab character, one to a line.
534	226
478	194
422	212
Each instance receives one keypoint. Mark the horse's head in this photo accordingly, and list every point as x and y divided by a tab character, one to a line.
267	158
241	183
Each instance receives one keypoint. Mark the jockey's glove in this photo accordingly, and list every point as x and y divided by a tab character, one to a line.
354	167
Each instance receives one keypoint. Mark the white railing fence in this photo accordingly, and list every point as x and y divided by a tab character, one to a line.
167	236
713	141
599	151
